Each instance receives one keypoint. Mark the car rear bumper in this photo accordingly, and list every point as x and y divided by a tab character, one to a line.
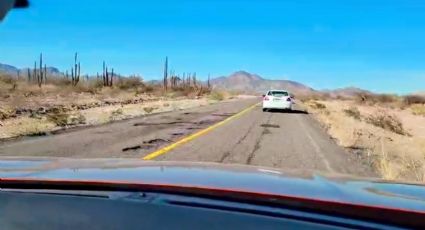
275	105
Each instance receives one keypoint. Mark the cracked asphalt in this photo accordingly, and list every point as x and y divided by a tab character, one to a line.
273	139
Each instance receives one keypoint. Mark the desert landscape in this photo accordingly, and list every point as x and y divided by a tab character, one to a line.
386	132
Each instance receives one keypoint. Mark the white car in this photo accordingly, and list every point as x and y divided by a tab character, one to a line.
277	99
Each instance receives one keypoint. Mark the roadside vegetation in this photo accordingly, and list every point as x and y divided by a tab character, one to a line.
385	131
51	100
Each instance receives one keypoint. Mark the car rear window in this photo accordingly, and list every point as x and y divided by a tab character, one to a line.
278	93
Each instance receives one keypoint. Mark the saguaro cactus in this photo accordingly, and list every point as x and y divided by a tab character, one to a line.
194	80
40	72
111	78
34	71
29	75
166	74
45	74
103	74
76	71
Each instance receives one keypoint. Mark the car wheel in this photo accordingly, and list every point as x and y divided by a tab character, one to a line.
264	110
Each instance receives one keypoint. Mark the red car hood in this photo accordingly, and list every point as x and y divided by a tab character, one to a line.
218	176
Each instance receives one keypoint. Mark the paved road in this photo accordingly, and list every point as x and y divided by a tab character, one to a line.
280	140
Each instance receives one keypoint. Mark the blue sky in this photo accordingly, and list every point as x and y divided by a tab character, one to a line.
374	44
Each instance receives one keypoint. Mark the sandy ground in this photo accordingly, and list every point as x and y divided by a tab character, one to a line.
395	156
30	125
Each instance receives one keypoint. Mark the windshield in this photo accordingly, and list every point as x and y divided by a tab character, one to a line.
278	93
333	87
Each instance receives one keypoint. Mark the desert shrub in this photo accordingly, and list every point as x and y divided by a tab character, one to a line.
8	79
313	97
386	98
414	99
129	83
59	81
61	117
95	83
216	95
353	112
115	114
148	109
387	122
6	113
371	98
418	109
76	119
317	105
148	88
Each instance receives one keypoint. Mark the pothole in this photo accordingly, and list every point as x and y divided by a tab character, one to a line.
146	144
223	114
156	141
270	126
205	122
131	148
37	134
160	123
177	134
192	128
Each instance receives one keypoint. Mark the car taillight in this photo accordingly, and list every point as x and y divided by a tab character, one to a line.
289	99
266	98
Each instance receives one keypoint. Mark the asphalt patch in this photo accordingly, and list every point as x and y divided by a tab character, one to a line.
205	122
146	144
223	114
177	134
160	123
131	148
37	134
156	141
192	128
270	126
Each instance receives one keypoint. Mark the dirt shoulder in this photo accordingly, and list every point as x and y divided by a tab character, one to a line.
32	111
389	138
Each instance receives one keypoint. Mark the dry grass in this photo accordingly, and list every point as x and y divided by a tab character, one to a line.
414	99
116	114
387	122
25	126
418	109
61	105
317	105
129	83
63	118
148	110
217	95
353	112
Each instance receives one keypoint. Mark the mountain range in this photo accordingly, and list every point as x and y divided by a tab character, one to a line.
14	71
240	81
245	82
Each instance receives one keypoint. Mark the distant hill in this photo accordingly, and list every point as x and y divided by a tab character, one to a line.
8	69
243	81
12	70
346	92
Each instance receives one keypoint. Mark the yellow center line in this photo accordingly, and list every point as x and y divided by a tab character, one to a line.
184	140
